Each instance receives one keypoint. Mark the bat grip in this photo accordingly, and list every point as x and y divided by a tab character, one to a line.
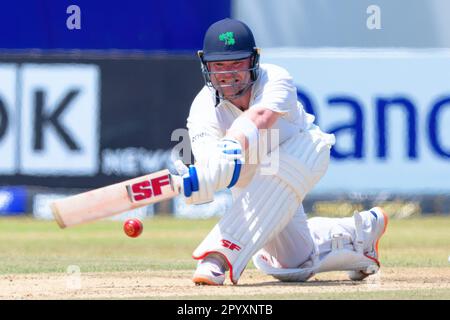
180	167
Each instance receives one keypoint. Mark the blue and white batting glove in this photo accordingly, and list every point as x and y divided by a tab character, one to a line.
221	170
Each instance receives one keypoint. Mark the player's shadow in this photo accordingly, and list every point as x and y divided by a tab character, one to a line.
310	283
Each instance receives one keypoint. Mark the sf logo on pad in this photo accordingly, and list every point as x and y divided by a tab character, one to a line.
230	245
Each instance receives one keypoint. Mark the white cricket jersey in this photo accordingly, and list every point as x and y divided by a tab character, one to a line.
274	90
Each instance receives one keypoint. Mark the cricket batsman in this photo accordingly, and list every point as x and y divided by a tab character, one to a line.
242	99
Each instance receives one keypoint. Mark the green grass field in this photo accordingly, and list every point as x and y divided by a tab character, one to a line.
38	247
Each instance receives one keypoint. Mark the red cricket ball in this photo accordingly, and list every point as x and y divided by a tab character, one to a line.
133	227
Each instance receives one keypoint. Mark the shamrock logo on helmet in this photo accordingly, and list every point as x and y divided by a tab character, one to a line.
228	37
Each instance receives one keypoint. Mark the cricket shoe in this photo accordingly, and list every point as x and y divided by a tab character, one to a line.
371	225
210	271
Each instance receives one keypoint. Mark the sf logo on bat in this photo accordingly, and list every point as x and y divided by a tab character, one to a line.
146	189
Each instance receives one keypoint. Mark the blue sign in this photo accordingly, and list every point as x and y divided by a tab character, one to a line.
173	25
389	110
13	201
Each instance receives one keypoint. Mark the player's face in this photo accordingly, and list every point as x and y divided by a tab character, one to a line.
230	77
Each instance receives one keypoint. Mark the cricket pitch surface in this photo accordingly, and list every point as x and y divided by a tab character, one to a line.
390	283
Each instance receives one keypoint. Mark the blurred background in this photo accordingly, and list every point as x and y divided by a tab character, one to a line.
91	93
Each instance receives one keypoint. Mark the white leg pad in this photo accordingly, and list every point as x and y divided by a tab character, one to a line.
346	253
343	259
267	264
267	204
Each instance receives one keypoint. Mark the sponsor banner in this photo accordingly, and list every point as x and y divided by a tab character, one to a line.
89	122
60	116
389	110
139	213
133	26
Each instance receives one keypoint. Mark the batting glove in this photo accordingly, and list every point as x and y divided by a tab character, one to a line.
220	171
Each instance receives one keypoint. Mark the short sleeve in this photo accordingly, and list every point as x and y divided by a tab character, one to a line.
276	91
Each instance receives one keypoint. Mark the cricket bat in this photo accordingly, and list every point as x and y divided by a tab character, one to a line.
114	199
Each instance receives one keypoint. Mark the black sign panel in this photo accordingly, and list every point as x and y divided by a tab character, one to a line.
85	122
